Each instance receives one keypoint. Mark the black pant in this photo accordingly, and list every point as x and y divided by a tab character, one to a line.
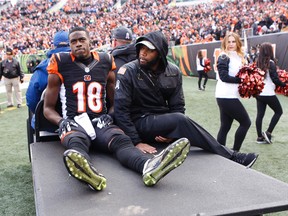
231	109
200	75
177	125
274	104
109	140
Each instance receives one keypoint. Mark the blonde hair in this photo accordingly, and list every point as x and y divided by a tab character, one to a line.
239	49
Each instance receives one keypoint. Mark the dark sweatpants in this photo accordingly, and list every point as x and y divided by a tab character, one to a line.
178	125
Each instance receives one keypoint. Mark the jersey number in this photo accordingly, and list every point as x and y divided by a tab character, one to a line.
90	94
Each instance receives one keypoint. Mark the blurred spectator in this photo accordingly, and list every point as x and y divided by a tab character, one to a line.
29	26
12	74
123	50
252	56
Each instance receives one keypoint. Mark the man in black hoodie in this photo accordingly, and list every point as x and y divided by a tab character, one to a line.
149	103
123	49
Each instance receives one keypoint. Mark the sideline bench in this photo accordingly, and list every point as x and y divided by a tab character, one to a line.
206	184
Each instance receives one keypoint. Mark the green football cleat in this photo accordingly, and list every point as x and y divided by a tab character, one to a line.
167	160
81	169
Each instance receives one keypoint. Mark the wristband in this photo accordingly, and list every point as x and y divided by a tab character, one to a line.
59	123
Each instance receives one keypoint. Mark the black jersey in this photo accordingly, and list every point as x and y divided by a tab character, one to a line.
83	87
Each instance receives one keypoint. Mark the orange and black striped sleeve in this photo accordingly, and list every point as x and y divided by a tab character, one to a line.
52	67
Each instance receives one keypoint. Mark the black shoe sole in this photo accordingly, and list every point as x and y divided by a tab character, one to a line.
262	142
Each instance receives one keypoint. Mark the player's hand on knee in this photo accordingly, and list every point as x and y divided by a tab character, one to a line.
146	148
103	121
65	126
106	119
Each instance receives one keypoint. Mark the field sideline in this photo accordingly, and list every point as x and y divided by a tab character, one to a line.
16	190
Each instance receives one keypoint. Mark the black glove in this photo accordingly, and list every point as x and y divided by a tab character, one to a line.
21	80
65	126
103	121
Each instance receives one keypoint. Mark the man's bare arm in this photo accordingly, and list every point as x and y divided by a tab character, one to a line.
111	90
50	99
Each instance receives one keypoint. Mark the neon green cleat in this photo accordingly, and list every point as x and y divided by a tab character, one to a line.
81	169
167	160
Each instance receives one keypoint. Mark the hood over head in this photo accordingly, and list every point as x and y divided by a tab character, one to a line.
154	40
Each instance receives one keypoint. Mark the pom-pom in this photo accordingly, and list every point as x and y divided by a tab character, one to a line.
252	81
207	66
283	76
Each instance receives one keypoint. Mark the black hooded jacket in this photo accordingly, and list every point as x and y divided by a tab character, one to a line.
141	92
123	54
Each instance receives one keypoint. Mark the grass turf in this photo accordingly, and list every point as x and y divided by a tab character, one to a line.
16	190
202	107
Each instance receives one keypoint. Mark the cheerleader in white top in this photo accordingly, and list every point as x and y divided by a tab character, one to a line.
200	62
268	97
229	62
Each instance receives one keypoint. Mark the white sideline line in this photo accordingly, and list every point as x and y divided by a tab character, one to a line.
3	89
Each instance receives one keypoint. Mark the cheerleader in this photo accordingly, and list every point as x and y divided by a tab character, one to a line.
200	61
266	62
227	95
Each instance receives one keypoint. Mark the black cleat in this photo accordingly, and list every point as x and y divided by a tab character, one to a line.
267	136
245	159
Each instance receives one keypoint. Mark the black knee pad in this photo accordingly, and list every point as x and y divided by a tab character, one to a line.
120	141
77	139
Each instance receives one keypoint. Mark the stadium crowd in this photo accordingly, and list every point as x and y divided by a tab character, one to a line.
29	26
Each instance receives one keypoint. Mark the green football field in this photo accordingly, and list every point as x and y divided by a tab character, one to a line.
16	190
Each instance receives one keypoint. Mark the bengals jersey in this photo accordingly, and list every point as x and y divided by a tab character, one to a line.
83	88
